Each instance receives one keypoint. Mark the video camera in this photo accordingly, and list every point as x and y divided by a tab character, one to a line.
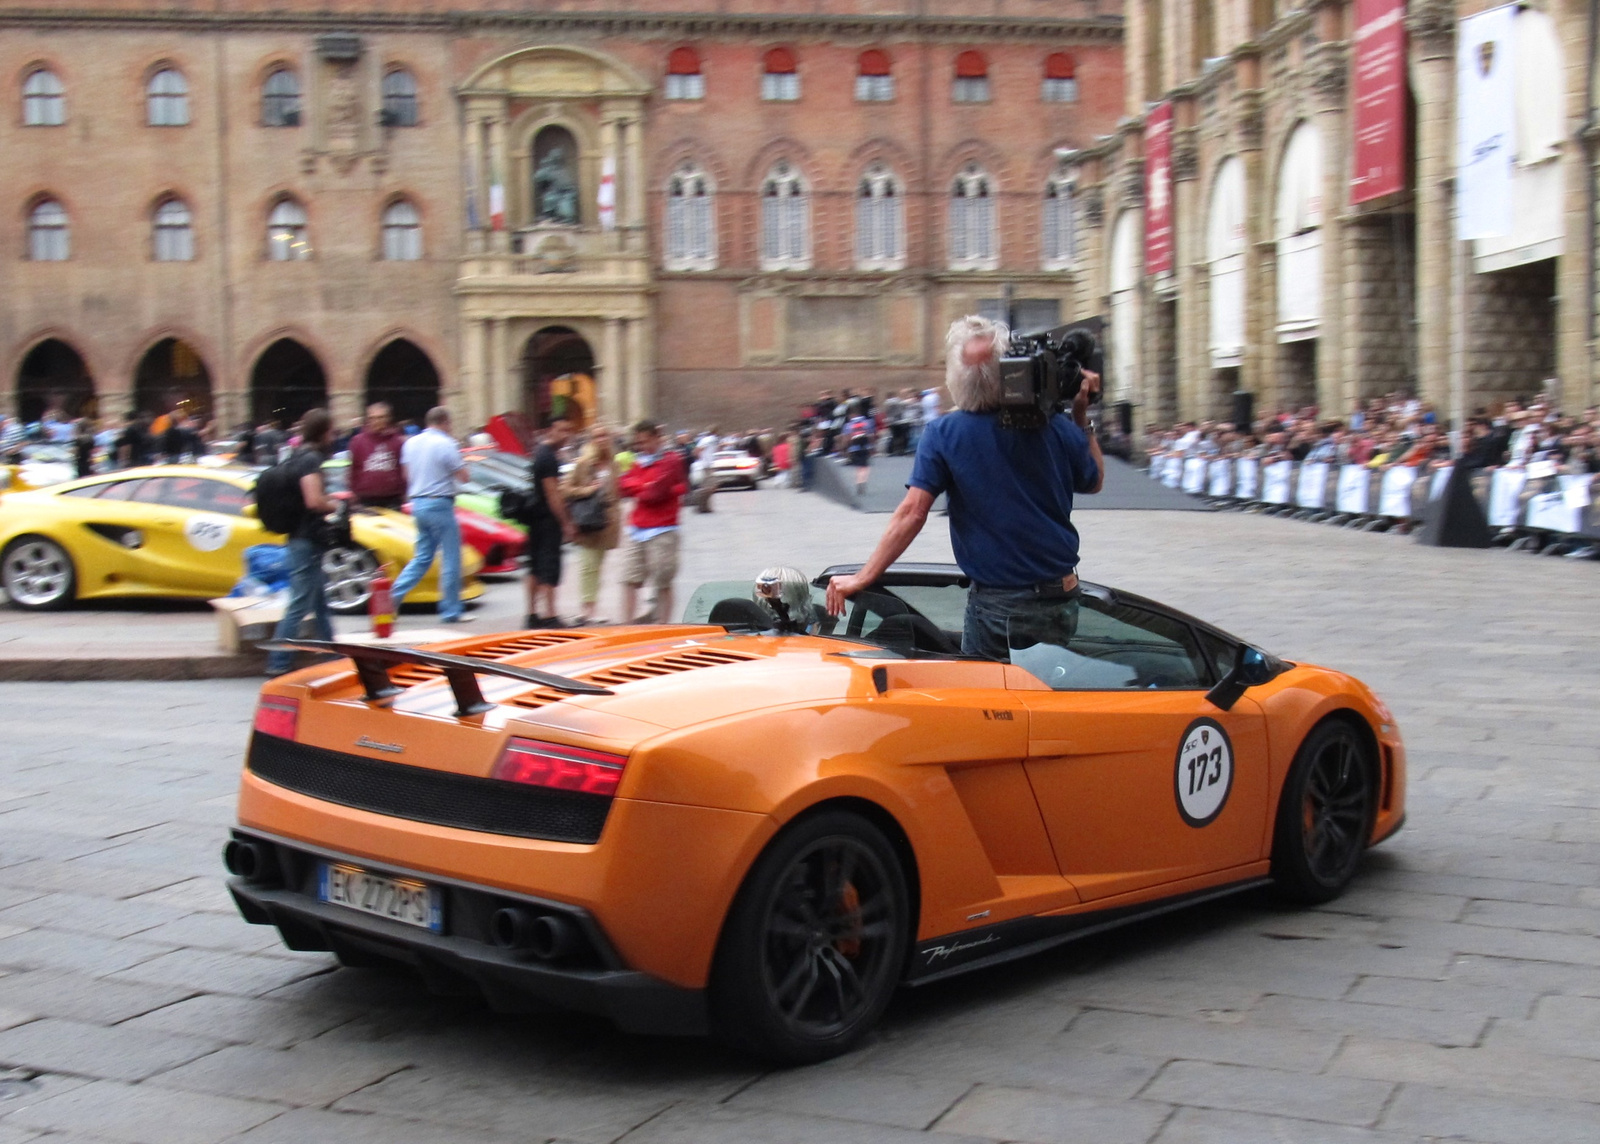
1041	373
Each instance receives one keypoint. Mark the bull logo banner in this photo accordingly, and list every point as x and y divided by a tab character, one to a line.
1486	107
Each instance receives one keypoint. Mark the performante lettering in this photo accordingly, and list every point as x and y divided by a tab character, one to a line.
944	952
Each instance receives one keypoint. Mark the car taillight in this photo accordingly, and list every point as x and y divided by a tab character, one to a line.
278	716
560	767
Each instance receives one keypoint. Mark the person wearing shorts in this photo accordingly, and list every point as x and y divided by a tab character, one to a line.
657	483
548	526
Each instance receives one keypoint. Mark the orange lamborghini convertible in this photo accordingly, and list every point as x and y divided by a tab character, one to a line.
761	822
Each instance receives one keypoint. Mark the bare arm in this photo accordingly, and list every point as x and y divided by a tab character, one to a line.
1080	414
554	498
903	528
315	493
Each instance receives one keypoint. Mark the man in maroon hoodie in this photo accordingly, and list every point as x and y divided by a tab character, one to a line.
376	477
657	484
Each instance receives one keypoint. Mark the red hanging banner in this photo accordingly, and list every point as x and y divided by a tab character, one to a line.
1379	166
1158	190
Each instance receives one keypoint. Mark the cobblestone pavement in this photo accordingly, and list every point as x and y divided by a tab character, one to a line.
1453	993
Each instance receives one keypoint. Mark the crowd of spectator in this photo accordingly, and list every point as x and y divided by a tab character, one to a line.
1397	430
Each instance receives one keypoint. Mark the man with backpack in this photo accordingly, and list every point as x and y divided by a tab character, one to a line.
292	498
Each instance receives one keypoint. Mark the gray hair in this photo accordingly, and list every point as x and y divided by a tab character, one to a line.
438	416
973	347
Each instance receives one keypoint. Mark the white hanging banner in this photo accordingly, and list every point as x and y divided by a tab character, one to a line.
1394	496
1355	484
1505	496
1247	474
1194	475
1486	115
1172	471
1277	481
1220	480
1312	491
608	192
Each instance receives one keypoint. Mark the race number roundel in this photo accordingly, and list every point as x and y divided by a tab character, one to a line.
207	533
1204	772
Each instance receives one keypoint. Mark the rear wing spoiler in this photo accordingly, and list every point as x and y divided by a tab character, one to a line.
374	660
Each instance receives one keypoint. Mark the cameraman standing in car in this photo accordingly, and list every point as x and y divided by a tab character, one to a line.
1010	493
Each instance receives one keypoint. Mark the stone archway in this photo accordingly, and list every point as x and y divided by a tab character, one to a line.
558	377
172	378
404	377
53	378
287	380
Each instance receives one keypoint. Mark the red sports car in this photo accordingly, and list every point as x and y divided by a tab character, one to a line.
498	543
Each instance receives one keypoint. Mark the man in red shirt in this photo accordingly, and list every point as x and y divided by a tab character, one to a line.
376	478
657	484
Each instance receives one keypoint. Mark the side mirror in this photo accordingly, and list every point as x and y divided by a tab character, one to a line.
250	511
1251	668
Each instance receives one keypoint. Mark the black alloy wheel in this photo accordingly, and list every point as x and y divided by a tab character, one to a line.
1325	814
815	943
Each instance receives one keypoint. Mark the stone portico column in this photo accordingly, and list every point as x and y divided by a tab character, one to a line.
609	393
1256	366
639	402
474	389
1188	219
1432	29
1337	388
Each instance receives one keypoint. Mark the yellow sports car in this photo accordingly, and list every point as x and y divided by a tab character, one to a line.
179	530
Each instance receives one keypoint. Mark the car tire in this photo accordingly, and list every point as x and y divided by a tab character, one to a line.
349	570
1324	814
815	943
37	574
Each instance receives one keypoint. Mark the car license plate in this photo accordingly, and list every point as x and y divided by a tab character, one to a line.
398	899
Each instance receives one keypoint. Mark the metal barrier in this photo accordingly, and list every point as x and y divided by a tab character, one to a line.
1534	509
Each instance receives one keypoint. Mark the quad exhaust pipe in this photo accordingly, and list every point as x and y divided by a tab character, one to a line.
247	860
549	937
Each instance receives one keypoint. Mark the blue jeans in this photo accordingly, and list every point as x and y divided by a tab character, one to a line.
437	531
989	611
308	595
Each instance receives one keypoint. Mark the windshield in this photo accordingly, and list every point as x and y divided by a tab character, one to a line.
909	619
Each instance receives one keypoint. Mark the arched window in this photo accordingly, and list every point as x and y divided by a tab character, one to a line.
172	232
691	220
402	232
1059	232
874	80
49	236
684	79
400	99
972	238
286	233
785	220
780	76
880	220
1060	83
44	99
167	99
280	99
972	78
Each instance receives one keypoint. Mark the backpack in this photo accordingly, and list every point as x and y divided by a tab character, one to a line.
279	502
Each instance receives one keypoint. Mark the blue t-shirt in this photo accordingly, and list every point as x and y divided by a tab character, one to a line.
1010	494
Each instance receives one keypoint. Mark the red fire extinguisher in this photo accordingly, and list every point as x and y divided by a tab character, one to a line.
380	605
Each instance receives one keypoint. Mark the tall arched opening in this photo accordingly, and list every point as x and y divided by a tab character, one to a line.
53	378
1225	249
558	377
287	380
403	377
1297	229
172	378
1123	381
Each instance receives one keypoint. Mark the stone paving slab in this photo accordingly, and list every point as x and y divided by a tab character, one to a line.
1452	994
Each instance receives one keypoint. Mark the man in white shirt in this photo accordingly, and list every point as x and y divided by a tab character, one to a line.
434	470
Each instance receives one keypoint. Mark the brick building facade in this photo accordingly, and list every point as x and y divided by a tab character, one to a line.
710	216
1281	285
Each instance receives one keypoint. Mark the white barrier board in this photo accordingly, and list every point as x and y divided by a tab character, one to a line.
1312	490
1575	490
1277	481
1219	482
1172	471
1194	475
1505	496
1247	478
1355	487
1550	512
1394	497
1441	478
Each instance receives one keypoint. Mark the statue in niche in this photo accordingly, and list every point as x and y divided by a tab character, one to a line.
555	188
